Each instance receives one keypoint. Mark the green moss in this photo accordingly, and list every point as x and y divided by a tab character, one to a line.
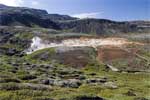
24	35
37	55
139	82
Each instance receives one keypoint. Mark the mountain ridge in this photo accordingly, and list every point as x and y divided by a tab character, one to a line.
30	17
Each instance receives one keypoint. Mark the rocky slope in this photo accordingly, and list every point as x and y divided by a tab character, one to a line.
73	72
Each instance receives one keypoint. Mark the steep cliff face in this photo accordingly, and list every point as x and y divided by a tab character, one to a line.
99	26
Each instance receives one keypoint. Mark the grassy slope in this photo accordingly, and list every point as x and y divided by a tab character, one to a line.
137	82
11	79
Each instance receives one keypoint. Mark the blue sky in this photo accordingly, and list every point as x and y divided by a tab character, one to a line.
119	10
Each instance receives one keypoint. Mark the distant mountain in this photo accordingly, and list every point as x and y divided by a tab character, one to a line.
2	6
22	16
11	16
57	17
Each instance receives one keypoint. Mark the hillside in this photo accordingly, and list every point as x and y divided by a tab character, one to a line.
81	65
57	57
29	17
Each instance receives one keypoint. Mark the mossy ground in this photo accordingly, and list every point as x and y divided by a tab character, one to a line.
139	83
13	77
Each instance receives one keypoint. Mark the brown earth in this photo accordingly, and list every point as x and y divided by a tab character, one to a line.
75	58
109	53
125	58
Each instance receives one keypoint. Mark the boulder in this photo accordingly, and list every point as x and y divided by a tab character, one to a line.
130	93
96	80
88	98
72	83
110	85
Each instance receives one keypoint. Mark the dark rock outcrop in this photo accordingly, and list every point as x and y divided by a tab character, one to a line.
89	98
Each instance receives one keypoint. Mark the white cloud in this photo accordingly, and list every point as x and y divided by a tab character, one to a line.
34	3
88	15
12	2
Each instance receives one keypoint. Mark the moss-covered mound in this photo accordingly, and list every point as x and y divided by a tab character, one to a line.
71	56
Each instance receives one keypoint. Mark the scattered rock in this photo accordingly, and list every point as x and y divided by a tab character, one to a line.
72	83
26	63
46	82
7	80
92	74
35	86
130	93
111	85
140	98
99	80
27	77
33	65
14	64
11	52
112	68
42	98
88	98
81	77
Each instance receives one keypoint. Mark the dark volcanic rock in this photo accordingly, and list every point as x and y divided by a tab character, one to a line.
89	98
8	51
130	93
140	98
97	80
72	83
11	52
